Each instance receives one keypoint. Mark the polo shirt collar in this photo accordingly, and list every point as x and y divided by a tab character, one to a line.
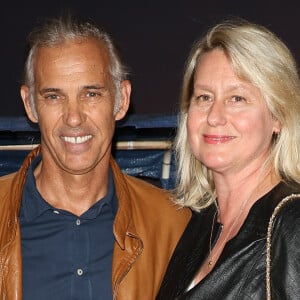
33	204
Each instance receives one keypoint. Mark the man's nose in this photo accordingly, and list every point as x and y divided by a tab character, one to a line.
74	114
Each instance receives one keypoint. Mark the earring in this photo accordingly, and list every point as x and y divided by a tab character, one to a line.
275	136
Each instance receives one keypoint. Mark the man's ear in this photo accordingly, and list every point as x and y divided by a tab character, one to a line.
125	100
25	94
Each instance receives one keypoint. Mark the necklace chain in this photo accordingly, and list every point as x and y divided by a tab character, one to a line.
242	209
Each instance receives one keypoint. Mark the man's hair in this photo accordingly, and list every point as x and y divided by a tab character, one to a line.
261	58
56	31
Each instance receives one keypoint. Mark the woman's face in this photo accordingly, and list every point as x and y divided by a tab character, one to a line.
229	125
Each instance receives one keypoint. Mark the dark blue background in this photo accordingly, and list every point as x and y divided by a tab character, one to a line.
155	37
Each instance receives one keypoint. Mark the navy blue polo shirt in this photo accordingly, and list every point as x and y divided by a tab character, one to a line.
65	256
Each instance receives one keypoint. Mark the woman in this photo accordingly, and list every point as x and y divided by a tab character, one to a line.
238	148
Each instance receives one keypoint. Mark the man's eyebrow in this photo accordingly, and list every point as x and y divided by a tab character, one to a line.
94	87
48	90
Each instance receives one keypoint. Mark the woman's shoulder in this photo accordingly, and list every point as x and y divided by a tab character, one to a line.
288	198
286	214
289	206
280	195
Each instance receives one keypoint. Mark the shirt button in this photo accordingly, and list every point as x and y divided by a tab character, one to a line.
79	272
78	222
56	212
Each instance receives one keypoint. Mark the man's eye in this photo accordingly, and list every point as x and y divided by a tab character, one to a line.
51	97
92	94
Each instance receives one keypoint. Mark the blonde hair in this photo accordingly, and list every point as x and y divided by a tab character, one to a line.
261	58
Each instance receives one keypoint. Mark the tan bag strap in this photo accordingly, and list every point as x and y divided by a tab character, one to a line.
269	240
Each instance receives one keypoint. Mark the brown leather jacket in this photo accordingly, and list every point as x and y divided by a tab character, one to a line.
146	228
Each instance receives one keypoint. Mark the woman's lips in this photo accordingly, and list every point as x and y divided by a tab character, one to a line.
217	139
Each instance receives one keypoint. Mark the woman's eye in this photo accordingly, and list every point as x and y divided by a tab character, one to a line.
203	98
238	99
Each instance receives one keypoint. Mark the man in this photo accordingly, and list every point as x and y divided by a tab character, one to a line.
72	226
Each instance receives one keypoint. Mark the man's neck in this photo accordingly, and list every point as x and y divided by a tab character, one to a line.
73	193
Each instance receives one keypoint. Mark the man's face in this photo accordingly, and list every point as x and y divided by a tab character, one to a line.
74	100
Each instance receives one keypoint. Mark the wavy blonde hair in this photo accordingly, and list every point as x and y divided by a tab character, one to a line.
261	58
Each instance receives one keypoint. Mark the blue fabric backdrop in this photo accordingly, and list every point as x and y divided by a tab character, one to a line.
143	163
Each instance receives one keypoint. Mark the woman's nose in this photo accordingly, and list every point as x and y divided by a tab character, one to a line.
217	114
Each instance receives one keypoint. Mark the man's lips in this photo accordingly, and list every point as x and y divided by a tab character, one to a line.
76	139
217	139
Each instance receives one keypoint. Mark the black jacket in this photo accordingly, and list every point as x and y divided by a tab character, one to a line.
240	272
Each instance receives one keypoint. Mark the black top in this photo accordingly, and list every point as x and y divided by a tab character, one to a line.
240	272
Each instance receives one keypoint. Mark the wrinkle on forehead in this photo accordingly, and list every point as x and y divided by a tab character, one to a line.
73	60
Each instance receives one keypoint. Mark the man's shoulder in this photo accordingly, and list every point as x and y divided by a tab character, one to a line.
7	179
152	198
132	182
142	185
144	197
7	186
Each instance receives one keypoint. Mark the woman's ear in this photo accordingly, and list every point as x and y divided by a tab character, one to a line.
125	100
276	126
30	111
